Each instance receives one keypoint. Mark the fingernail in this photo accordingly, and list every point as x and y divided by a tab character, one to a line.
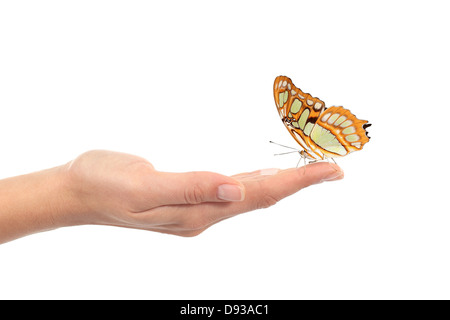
332	176
268	172
230	192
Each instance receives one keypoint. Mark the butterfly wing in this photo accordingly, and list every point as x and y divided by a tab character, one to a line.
321	132
299	111
338	132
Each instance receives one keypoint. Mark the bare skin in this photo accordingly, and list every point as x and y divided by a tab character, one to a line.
117	189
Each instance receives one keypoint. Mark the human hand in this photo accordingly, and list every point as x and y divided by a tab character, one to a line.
110	188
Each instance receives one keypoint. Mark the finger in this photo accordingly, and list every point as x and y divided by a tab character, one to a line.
259	194
269	189
196	187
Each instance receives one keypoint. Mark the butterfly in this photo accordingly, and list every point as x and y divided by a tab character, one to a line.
322	132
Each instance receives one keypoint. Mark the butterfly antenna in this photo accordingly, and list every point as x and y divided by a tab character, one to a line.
279	154
295	150
282	145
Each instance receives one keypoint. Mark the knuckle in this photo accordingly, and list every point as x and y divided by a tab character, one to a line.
194	195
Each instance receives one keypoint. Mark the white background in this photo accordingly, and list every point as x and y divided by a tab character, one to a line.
188	85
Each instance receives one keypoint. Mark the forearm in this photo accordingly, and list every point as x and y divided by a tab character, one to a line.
33	203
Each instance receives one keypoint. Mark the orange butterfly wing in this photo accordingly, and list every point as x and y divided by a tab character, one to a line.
299	111
321	132
349	131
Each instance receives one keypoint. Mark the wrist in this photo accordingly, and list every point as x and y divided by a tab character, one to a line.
36	202
66	206
51	194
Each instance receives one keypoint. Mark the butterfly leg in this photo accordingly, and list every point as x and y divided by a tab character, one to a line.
328	159
304	164
299	159
302	156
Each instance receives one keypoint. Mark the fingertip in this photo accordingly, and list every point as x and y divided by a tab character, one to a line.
336	174
321	172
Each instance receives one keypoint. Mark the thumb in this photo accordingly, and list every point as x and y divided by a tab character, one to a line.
196	187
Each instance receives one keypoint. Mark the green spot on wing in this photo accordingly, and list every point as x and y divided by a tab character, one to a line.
349	130
280	99
302	120
296	106
326	140
333	118
352	138
308	128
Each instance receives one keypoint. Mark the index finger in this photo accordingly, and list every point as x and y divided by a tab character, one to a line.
261	192
268	189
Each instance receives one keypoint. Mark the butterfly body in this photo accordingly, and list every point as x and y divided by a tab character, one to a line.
321	132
